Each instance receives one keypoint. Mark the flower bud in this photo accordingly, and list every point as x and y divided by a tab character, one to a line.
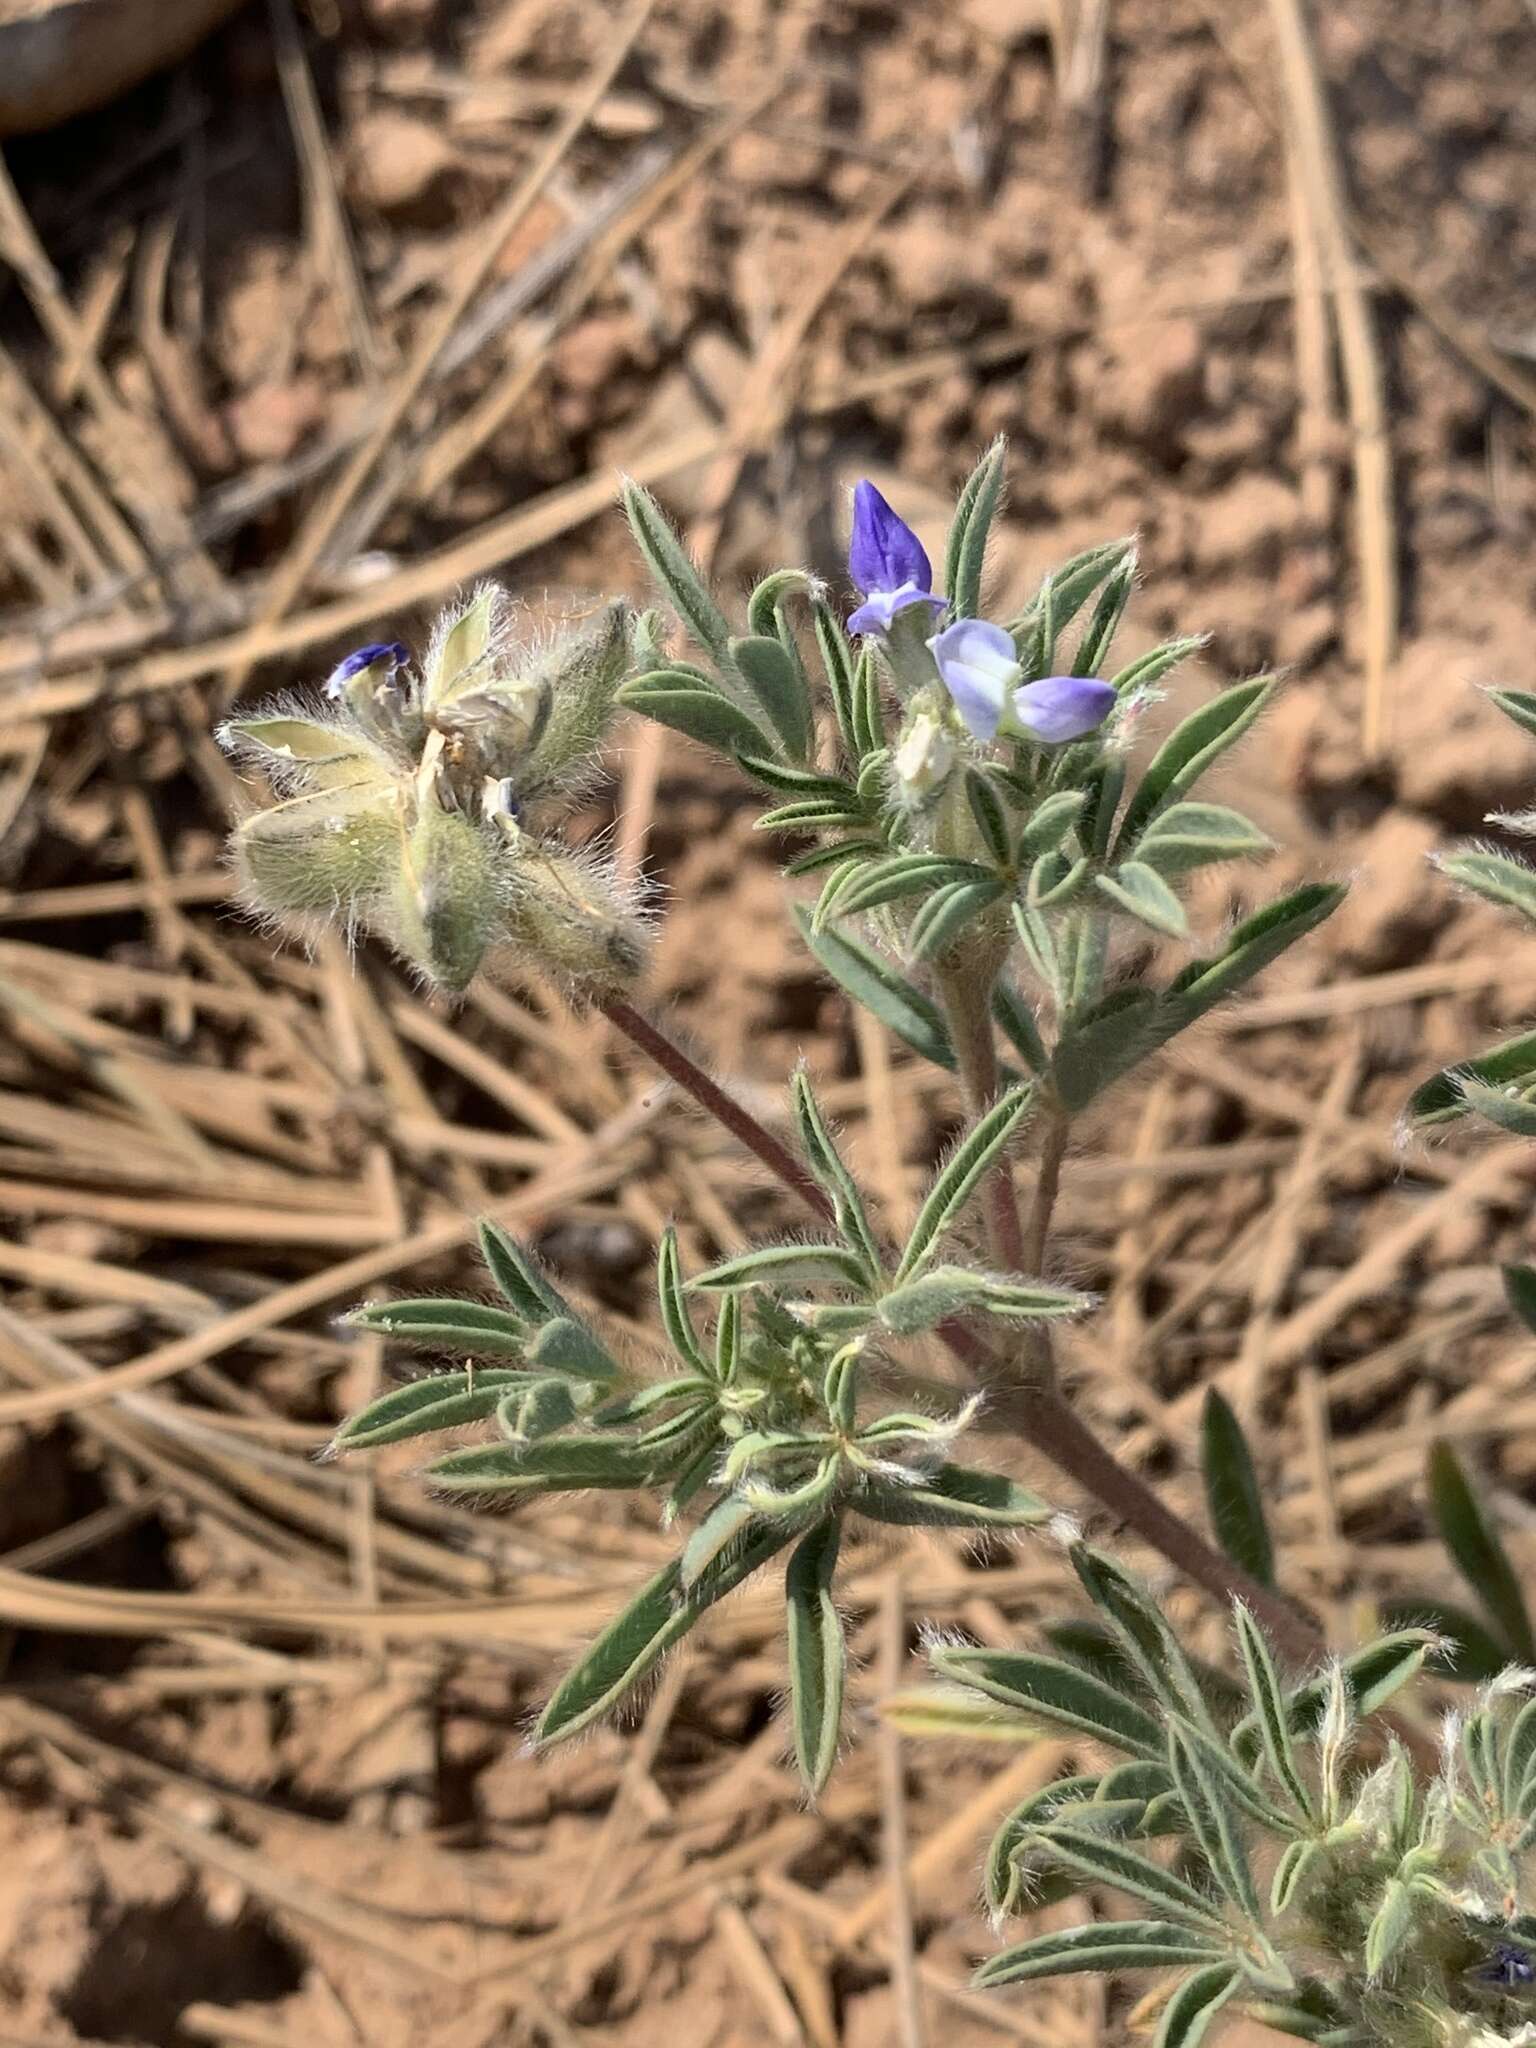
924	755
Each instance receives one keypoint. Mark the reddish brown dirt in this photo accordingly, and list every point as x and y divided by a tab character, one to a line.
373	1859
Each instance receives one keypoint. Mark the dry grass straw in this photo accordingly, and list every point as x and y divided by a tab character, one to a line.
207	1150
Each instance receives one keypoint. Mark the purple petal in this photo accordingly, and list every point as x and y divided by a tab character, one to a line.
875	614
883	551
979	665
1063	707
364	657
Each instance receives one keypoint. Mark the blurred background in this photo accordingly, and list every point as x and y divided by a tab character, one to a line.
312	312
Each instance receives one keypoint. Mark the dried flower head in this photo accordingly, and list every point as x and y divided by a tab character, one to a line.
410	795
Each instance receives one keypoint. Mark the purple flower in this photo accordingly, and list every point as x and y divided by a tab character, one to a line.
887	562
364	657
980	668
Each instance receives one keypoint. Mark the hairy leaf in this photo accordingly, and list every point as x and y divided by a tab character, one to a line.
1470	1536
674	698
445	1401
882	990
1233	1498
1055	1692
1195	2004
954	1497
669	563
785	1265
1189	750
817	1655
1193	835
972	1159
774	677
966	549
518	1278
825	1161
1102	1946
468	1328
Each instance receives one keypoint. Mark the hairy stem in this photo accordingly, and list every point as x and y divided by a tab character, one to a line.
1040	1415
968	1010
1053	1150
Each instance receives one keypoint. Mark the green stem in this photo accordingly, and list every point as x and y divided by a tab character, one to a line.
967	1000
1040	1415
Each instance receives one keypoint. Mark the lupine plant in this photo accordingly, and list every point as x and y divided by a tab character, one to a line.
995	867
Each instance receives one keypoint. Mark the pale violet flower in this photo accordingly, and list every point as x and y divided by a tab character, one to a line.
887	562
980	668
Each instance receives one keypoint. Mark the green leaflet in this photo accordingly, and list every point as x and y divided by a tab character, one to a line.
1110	1945
671	1299
941	921
969	1163
1049	823
673	698
1102	1861
1141	892
726	1525
825	1161
905	874
1055	1692
660	1615
1061	597
518	1279
1188	2014
837	662
1473	1541
1469	1650
1193	835
1442	1099
551	1464
954	1497
882	990
992	820
1189	750
944	1291
445	1401
669	563
1213	1823
1268	1697
1149	669
1496	876
564	1346
1018	1022
966	548
774	677
817	1654
786	1265
1233	1498
1099	633
467	1327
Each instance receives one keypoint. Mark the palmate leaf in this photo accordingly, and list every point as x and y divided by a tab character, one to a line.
1059	600
1056	1693
1099	633
818	1657
469	1329
1473	1541
1143	1633
954	1497
1371	1676
1102	1946
634	1642
447	1400
1233	1498
881	989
